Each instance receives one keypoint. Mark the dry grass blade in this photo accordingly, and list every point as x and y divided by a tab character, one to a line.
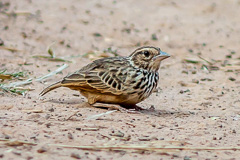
52	73
55	59
11	75
50	50
52	56
230	68
12	90
210	63
23	13
9	49
33	111
12	87
99	115
3	77
9	142
144	147
18	13
191	61
27	89
15	84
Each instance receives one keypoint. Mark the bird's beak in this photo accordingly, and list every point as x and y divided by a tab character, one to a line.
161	56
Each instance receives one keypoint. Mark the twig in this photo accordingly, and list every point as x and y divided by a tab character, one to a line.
9	142
52	73
120	147
99	115
89	129
139	147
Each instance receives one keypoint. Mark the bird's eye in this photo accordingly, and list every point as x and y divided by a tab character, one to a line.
146	53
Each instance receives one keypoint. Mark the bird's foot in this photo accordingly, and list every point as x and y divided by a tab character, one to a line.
122	108
119	108
133	107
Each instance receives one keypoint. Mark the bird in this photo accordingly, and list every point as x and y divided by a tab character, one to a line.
124	81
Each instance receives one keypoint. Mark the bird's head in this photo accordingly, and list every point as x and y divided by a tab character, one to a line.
148	58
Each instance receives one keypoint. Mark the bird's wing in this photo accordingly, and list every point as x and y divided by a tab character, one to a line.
103	76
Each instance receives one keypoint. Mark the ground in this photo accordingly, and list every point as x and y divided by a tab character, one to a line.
196	104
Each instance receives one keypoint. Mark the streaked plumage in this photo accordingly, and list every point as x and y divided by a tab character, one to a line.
117	80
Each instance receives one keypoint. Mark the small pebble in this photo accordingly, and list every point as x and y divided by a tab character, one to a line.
70	136
117	134
51	110
195	81
187	158
75	155
144	139
42	150
232	79
17	152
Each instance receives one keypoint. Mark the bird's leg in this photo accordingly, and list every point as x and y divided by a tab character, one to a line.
92	100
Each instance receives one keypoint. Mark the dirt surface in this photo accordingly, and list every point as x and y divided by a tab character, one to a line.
197	103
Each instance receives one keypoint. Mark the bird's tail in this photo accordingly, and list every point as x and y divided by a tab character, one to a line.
51	87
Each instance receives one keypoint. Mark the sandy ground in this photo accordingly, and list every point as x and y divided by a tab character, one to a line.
197	103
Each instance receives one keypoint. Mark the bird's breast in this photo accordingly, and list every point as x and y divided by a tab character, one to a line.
147	84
